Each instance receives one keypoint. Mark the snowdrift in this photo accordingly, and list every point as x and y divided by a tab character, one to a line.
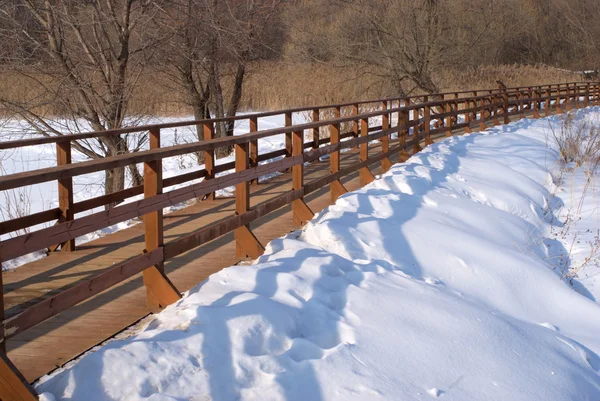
434	281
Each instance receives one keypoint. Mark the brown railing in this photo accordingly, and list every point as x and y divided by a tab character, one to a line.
418	121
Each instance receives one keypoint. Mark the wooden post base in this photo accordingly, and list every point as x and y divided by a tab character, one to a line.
160	291
246	244
301	213
404	156
386	165
428	140
336	189
366	177
13	386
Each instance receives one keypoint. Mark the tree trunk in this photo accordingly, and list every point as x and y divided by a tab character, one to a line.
114	181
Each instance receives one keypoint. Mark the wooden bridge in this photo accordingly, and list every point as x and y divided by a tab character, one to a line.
58	307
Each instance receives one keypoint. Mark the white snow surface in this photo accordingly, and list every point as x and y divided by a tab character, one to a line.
429	283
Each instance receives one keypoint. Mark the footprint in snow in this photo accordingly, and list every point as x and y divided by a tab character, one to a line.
434	392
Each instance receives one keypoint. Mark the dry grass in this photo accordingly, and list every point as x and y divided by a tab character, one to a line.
278	85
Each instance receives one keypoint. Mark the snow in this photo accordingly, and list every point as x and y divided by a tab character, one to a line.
435	281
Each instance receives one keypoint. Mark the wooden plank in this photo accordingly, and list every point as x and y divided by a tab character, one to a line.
21	223
72	296
315	131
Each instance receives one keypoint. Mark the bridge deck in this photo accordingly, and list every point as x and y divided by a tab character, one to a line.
54	342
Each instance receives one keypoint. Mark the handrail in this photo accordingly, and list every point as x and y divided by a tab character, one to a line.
144	128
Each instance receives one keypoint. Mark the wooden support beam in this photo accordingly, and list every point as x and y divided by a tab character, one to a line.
65	191
247	245
365	175
160	292
448	124
301	213
13	386
336	189
548	102
386	164
254	147
403	120
427	128
209	156
536	103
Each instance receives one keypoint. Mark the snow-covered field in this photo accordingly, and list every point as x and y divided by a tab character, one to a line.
438	280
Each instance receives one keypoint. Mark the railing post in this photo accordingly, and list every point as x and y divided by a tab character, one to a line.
536	103
548	102
569	97
254	147
365	175
288	135
315	131
403	120
586	101
448	120
336	189
427	116
246	243
13	385
209	156
482	112
355	123
558	99
301	213
65	190
160	292
521	104
386	164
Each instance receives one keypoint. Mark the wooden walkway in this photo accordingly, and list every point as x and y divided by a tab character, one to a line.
61	306
56	341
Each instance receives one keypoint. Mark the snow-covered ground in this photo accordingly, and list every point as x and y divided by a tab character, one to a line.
438	280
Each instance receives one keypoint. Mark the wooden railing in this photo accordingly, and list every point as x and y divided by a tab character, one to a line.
418	120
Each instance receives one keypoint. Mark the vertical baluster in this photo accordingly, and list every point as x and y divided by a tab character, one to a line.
365	175
336	189
448	124
254	147
209	155
301	213
65	190
386	164
315	131
403	121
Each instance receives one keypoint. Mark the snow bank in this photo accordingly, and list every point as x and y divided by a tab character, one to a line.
435	281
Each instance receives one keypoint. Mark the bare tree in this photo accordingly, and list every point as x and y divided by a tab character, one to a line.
211	44
85	59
